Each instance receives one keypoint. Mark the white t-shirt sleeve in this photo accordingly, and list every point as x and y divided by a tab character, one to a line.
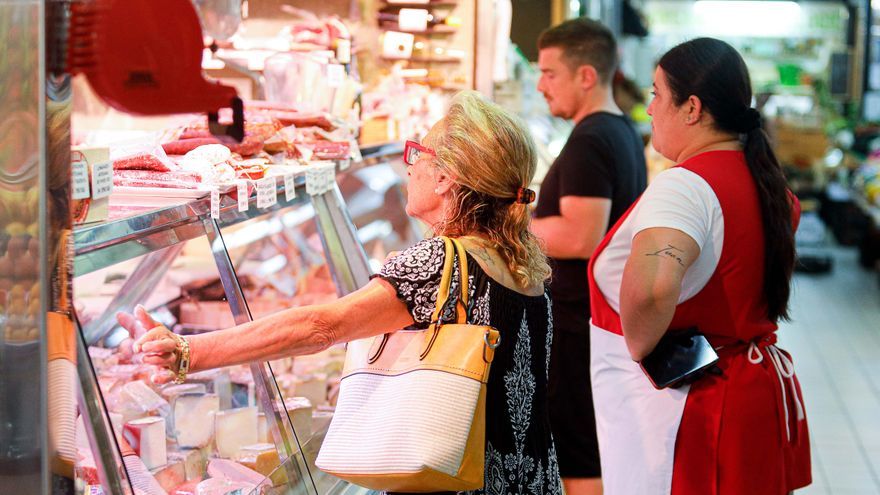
679	199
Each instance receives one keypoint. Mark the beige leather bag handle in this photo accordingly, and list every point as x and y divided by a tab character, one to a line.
452	246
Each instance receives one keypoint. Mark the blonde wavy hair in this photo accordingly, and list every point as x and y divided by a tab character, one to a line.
491	154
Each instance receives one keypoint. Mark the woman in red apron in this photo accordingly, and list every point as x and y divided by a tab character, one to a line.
709	244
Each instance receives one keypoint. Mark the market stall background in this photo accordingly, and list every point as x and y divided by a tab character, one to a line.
209	233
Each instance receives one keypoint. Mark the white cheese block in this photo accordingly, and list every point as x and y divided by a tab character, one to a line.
262	458
299	409
233	429
233	471
195	462
194	419
147	437
144	398
263	434
171	391
312	387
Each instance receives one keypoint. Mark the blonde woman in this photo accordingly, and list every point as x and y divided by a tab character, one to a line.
467	179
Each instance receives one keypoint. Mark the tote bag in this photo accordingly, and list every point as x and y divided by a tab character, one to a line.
411	410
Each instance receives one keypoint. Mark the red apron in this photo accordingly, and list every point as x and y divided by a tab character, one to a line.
744	432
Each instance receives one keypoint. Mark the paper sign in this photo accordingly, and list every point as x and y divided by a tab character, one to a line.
413	20
215	203
79	170
242	193
343	51
267	195
320	177
335	75
289	188
354	150
102	180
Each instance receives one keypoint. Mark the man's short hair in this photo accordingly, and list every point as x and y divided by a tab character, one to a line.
583	41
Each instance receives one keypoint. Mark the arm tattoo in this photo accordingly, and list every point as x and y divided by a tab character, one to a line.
670	252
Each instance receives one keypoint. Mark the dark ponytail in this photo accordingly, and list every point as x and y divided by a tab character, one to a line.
714	72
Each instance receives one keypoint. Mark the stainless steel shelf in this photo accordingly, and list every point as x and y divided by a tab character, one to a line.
108	243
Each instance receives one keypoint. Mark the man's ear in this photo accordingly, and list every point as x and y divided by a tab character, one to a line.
587	76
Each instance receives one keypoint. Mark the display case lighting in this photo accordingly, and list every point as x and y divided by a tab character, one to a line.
747	17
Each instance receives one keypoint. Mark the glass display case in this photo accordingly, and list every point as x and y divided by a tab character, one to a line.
256	428
375	193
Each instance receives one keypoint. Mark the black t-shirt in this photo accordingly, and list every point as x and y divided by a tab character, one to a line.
604	157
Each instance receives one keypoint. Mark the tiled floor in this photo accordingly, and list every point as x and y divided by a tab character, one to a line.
835	342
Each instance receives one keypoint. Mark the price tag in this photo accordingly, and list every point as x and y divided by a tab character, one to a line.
267	195
344	164
320	177
215	203
335	75
289	188
354	151
79	170
343	51
242	193
102	180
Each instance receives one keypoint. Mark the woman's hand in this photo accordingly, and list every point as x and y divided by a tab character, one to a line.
157	345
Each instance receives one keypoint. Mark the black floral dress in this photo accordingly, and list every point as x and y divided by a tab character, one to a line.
520	456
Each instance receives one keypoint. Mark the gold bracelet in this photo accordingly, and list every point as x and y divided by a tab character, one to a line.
183	359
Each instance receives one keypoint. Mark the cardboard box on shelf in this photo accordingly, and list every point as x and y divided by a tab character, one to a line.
795	145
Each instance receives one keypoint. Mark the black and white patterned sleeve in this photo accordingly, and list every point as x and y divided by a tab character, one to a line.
415	275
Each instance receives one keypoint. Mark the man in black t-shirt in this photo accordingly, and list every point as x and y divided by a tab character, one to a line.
594	180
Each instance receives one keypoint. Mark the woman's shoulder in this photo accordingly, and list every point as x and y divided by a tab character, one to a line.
421	260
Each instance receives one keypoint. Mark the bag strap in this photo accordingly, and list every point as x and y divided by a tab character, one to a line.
453	246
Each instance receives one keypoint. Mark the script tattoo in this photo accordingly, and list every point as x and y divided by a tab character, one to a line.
670	252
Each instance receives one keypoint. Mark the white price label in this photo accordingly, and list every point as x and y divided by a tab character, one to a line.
289	188
102	180
335	75
320	177
343	51
242	193
79	170
354	151
215	203
267	195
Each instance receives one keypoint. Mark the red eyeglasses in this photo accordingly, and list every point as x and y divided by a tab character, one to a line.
413	150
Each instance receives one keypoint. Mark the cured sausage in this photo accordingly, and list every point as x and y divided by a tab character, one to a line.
141	162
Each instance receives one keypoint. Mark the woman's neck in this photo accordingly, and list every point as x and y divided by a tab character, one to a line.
714	143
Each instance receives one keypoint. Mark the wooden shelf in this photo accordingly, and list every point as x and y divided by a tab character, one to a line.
428	60
416	5
437	30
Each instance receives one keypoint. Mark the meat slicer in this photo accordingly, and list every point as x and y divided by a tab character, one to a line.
144	57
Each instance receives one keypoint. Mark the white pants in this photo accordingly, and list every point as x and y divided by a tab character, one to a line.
636	424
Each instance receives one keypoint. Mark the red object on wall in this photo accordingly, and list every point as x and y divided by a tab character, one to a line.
145	57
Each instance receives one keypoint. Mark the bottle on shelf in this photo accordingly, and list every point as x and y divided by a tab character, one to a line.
416	20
